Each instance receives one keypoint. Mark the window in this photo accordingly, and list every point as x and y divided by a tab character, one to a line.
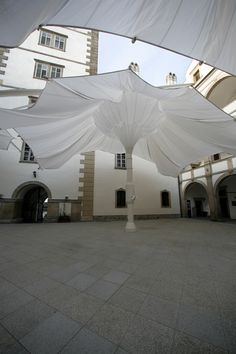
52	40
120	198
120	161
44	70
216	157
196	76
32	100
45	38
27	154
165	199
59	42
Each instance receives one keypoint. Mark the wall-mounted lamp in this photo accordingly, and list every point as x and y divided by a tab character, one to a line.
34	174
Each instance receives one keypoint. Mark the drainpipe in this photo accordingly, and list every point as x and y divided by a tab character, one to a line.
180	198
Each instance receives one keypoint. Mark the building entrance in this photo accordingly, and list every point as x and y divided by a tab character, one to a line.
196	201
34	204
226	193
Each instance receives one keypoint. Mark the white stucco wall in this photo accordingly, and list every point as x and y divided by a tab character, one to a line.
19	73
21	61
234	162
219	166
199	172
61	182
186	175
148	185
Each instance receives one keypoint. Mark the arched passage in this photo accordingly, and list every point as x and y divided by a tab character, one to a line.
33	198
223	94
196	200
226	196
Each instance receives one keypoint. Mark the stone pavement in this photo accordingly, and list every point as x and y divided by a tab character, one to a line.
92	288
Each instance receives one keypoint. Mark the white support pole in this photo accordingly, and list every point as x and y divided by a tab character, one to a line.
130	194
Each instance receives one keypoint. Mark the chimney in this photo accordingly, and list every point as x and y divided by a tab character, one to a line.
171	79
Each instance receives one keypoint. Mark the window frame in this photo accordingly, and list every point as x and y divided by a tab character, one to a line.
50	67
116	198
62	38
30	153
216	157
121	165
196	76
169	199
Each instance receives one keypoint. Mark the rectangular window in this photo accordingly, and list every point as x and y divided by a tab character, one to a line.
165	199
32	100
52	40
196	76
120	161
216	157
120	198
27	154
59	42
44	70
45	38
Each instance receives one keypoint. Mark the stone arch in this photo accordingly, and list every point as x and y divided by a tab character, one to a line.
196	200
223	92
221	178
31	201
225	194
24	187
191	182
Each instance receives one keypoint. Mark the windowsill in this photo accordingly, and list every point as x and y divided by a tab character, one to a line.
48	46
120	168
24	161
40	78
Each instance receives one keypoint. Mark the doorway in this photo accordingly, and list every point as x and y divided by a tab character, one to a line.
223	203
34	204
199	207
196	201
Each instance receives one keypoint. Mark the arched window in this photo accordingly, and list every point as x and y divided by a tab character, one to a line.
165	199
120	198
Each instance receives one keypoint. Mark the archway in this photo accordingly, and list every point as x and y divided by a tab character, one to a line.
33	197
196	200
223	94
226	196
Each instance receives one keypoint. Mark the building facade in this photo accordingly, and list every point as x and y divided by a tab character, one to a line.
26	192
90	186
208	187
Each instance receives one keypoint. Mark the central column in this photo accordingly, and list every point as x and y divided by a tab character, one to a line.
130	193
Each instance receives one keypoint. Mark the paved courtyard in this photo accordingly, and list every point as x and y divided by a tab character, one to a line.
92	288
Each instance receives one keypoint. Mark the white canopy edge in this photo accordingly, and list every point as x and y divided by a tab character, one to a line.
20	92
118	112
204	30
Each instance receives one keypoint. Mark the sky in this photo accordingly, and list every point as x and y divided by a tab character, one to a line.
116	53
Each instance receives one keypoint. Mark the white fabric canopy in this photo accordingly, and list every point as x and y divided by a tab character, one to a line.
118	112
5	139
201	29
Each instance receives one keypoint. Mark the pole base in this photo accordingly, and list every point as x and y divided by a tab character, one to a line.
130	227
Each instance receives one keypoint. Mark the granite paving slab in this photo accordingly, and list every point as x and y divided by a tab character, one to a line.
87	342
51	335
